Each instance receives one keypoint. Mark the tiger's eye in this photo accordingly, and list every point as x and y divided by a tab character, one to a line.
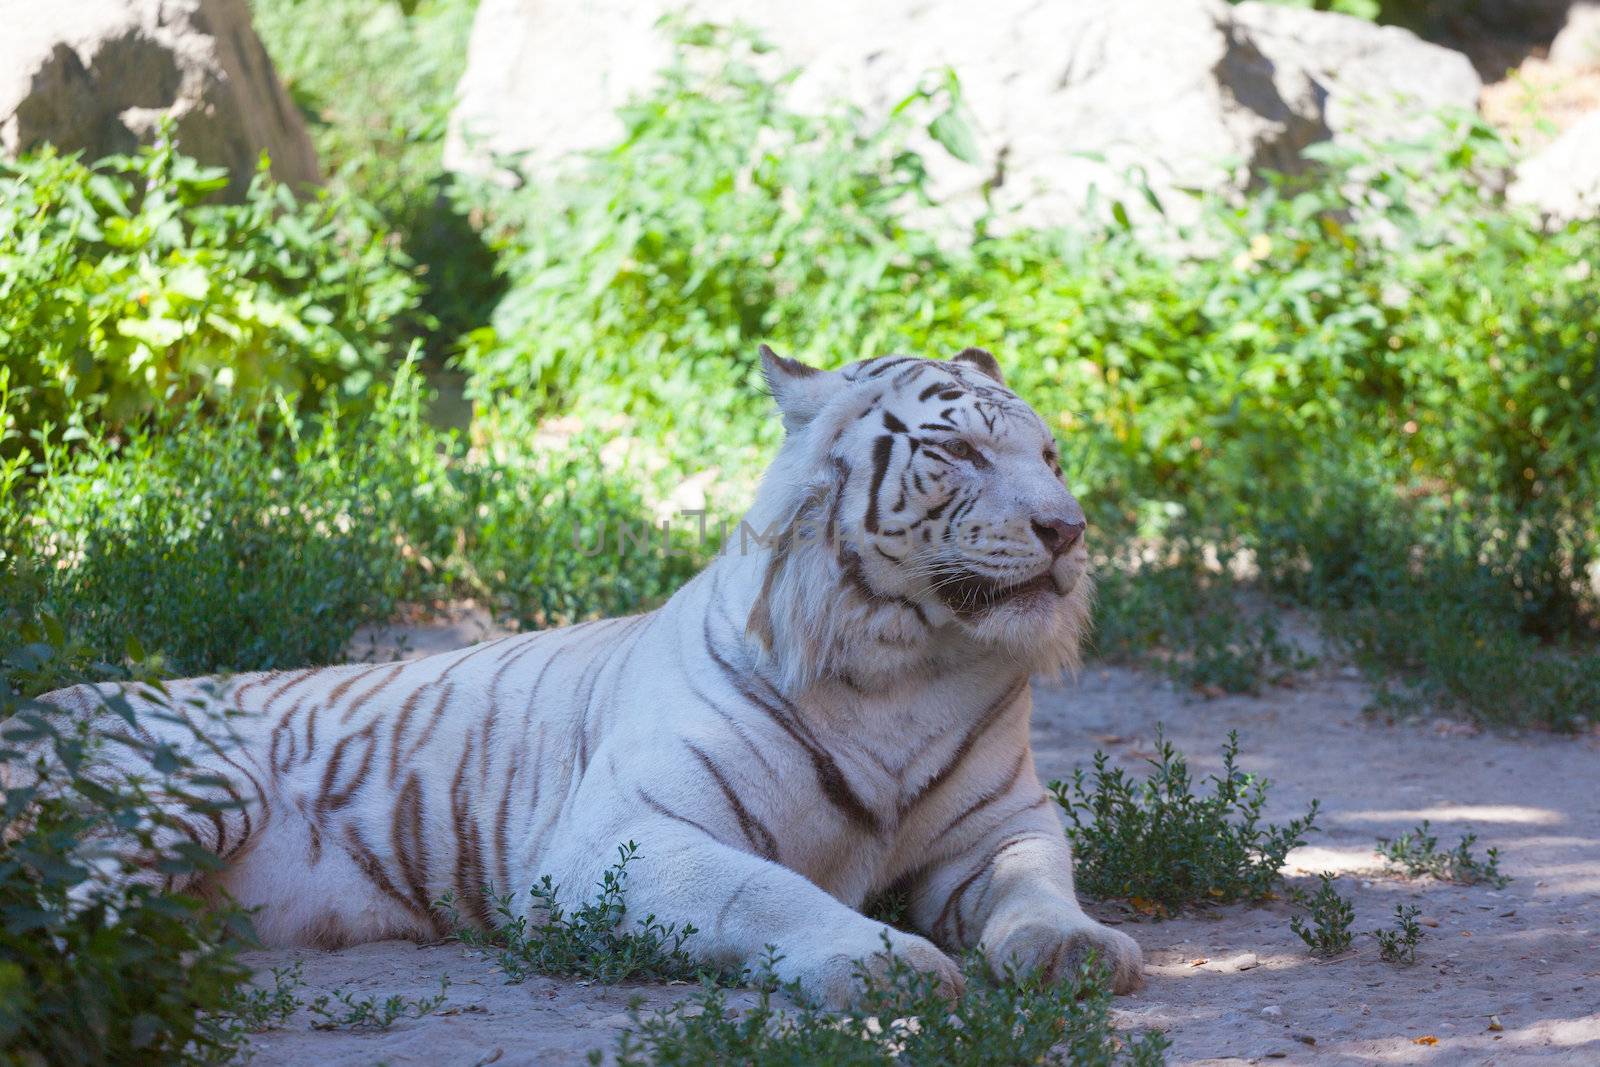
959	449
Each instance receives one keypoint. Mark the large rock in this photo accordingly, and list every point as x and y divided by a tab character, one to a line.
100	75
1562	181
1375	82
1070	94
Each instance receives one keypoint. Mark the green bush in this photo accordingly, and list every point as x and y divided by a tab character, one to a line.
556	533
381	137
1160	845
643	280
100	971
256	538
1417	854
1188	619
250	540
125	287
1399	945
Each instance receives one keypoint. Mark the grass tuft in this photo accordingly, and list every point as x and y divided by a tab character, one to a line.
1417	854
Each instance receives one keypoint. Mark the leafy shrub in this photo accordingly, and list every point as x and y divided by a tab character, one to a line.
1399	945
1417	854
644	280
245	541
71	939
590	942
125	287
903	1018
1163	847
553	533
381	138
1328	931
257	538
1188	619
255	1008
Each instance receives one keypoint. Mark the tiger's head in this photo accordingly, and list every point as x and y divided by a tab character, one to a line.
921	518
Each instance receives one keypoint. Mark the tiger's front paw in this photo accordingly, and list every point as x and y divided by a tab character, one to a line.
831	974
1058	946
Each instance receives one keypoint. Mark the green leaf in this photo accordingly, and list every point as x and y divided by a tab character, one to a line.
955	135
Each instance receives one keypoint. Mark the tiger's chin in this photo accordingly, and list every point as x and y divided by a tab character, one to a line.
1040	622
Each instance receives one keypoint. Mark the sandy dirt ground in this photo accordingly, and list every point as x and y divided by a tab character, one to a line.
1504	976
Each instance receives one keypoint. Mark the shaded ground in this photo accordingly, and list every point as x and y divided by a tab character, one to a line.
1231	985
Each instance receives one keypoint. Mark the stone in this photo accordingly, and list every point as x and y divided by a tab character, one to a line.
1562	180
1375	82
99	76
1577	46
1064	98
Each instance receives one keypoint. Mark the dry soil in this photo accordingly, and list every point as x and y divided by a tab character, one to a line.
1504	976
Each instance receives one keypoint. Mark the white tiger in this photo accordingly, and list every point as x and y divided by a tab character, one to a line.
831	711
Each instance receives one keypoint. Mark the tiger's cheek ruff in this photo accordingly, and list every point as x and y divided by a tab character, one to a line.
909	514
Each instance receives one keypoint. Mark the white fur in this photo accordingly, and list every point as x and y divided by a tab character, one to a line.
767	707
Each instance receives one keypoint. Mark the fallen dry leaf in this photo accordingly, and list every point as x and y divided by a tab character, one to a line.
1425	1039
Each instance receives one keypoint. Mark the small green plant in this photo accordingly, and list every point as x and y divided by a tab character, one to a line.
343	1010
589	942
1328	932
1417	854
256	1008
1162	846
891	907
1399	945
902	1018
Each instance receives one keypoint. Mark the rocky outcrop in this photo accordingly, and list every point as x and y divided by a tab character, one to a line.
100	76
1070	95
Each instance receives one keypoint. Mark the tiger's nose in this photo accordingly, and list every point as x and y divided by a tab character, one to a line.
1058	534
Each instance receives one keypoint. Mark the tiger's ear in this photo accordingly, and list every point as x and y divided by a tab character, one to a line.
799	389
981	361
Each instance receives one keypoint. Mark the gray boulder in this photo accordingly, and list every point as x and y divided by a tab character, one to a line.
100	75
1071	95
